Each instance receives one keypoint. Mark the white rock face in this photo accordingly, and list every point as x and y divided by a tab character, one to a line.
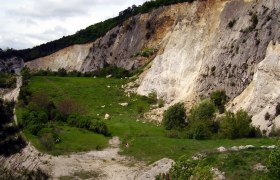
262	95
70	58
173	73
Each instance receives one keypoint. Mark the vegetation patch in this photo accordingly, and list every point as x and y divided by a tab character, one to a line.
7	80
234	165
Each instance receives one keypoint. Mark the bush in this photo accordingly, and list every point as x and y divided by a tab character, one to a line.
175	117
183	169
85	122
62	72
203	112
34	121
219	99
160	103
152	97
200	131
237	125
273	164
99	127
7	80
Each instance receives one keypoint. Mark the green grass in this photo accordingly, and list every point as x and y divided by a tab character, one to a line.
147	140
72	140
239	165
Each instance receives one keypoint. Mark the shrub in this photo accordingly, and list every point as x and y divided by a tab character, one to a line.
174	117
200	131
160	103
219	99
273	164
204	111
7	80
183	169
115	71
62	72
152	97
99	127
237	125
34	121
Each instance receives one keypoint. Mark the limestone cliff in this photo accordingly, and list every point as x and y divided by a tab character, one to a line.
263	94
70	58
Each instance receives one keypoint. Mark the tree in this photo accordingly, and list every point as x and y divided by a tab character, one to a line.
175	117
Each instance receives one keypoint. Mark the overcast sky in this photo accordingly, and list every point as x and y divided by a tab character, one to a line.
26	23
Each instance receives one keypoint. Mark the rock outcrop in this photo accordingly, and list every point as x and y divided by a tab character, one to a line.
263	94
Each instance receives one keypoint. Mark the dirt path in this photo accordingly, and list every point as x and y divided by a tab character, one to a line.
105	164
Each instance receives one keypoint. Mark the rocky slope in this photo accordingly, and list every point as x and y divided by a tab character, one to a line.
199	47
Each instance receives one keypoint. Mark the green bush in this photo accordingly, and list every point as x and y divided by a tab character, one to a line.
99	127
205	111
34	121
152	97
200	130
175	117
183	169
7	80
62	72
85	122
273	164
219	99
160	103
235	126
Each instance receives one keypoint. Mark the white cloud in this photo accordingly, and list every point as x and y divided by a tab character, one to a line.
31	22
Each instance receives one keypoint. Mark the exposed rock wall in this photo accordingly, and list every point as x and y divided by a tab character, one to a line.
263	93
70	58
205	53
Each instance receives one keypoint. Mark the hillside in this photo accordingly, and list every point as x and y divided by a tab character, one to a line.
196	48
194	82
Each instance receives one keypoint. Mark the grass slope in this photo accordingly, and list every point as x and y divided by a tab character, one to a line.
147	140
